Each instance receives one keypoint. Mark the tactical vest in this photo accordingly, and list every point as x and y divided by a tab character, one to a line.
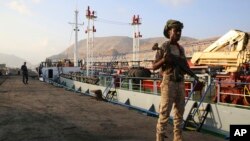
174	72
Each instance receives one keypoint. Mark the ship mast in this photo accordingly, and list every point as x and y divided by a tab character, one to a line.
76	39
90	15
136	21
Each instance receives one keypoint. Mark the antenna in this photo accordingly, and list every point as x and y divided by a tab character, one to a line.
91	16
76	4
76	39
136	21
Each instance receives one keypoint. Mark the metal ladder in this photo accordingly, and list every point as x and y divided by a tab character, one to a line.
196	116
191	123
109	94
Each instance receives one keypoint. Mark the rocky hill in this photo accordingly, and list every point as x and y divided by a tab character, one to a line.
13	61
114	45
120	45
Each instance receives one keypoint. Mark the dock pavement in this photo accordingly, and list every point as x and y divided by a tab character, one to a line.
39	111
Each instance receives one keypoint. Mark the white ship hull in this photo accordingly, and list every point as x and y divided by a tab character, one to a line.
218	120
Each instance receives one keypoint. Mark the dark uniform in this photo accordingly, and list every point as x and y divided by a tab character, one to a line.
25	73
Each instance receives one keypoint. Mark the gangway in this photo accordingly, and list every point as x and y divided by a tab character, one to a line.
108	93
196	115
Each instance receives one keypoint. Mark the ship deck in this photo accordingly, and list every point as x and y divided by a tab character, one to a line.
41	112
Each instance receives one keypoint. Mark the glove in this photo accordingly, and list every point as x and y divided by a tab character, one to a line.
155	47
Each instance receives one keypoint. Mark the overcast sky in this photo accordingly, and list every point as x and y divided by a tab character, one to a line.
36	29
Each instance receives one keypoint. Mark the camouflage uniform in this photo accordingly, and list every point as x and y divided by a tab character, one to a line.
171	58
172	86
172	94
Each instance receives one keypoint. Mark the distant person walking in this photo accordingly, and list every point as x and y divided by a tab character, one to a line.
25	73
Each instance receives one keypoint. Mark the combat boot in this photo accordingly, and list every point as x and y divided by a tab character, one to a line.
160	137
177	137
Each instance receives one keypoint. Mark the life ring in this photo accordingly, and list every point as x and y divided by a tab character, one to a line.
246	100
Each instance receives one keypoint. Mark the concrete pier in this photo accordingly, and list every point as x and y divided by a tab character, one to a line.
41	112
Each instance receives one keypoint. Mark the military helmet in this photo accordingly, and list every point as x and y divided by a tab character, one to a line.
171	24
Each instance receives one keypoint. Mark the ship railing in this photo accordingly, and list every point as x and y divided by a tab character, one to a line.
152	86
233	94
146	85
237	96
138	84
141	84
211	91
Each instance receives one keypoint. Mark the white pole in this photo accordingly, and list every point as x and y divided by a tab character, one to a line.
134	44
76	41
88	49
92	46
138	44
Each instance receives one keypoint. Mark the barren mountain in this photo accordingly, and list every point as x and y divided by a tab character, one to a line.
13	61
114	45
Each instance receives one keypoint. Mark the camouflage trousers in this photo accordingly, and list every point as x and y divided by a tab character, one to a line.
172	95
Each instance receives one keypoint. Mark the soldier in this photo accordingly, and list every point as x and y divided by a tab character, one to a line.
25	73
172	86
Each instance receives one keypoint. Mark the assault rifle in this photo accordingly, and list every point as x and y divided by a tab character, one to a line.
178	62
